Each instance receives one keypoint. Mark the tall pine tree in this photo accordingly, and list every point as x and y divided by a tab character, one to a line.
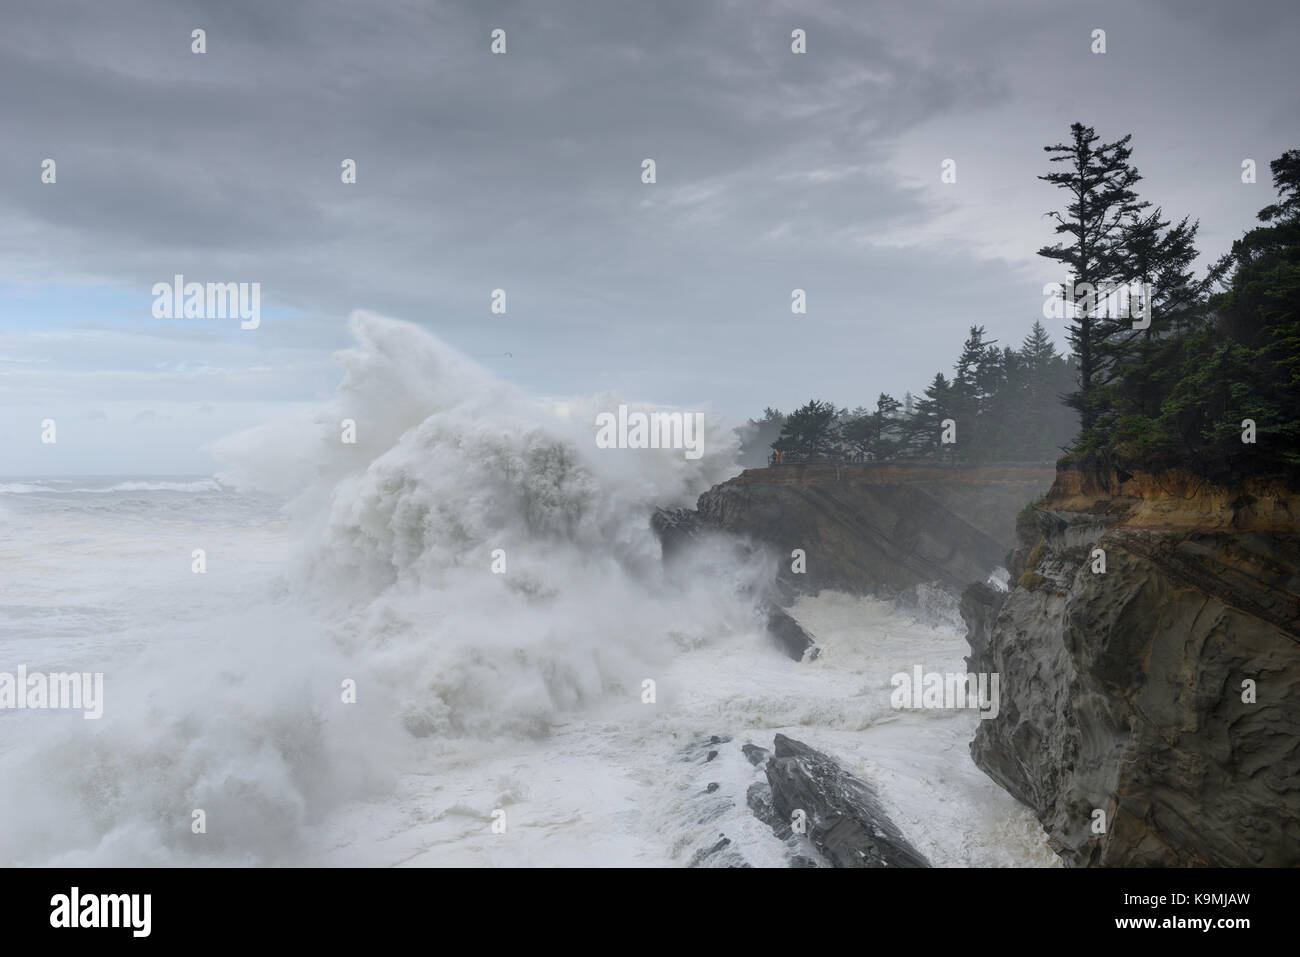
1098	179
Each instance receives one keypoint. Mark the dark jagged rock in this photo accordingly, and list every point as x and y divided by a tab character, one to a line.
845	821
876	529
790	635
703	749
676	529
720	854
1122	691
681	529
979	608
754	753
759	799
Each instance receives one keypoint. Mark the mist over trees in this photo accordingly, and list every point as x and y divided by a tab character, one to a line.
757	436
1198	373
1007	401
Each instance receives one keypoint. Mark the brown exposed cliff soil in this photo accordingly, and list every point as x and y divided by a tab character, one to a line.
1232	544
1175	500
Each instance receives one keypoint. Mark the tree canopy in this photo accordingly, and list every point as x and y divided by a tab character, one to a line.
1199	373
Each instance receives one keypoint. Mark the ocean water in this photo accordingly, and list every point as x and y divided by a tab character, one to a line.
398	643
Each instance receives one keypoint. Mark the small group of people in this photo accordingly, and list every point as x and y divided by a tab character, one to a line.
786	458
778	457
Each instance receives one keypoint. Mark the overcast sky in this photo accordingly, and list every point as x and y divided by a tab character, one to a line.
522	171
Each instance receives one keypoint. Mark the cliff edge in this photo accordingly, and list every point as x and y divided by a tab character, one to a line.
1149	653
875	527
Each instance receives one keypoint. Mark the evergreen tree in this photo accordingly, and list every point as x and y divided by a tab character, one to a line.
856	432
1007	402
907	426
935	405
1256	357
1004	419
978	378
1159	260
885	440
810	430
1099	181
1037	351
757	436
1184	398
1047	423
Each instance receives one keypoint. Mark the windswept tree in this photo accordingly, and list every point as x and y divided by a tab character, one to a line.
1098	180
810	430
1218	395
887	440
877	434
964	399
979	378
1158	260
1286	180
1252	369
757	436
972	380
1260	270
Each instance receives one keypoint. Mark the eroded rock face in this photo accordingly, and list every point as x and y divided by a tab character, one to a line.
875	528
1122	691
691	546
844	819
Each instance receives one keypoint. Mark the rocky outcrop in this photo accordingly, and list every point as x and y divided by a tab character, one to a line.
871	528
1149	654
684	539
866	529
842	815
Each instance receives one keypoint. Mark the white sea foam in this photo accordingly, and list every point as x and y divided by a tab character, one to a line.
392	587
21	488
475	691
203	485
52	488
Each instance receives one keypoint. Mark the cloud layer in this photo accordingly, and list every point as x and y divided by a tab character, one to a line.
522	172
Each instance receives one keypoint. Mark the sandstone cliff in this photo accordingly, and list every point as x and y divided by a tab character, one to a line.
1158	698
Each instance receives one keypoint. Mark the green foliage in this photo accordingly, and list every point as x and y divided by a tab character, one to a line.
1007	404
811	430
1175	395
1098	179
1180	398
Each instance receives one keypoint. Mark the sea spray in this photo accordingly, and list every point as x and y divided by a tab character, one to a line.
390	631
450	467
